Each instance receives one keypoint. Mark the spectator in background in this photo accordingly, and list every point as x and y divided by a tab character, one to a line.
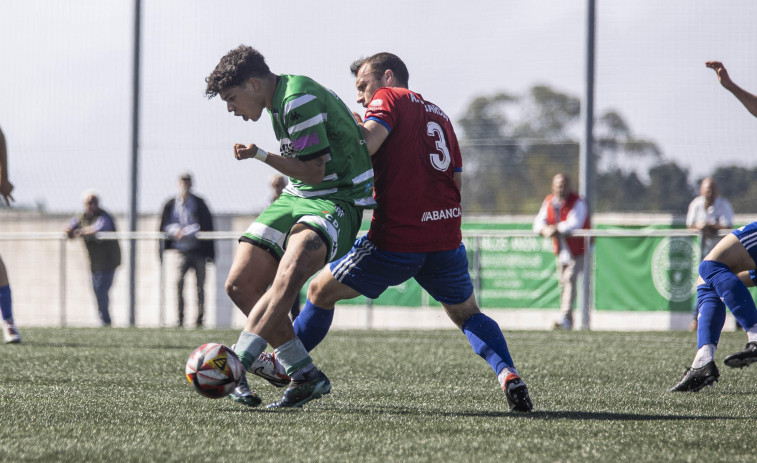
10	331
708	213
104	255
184	216
278	183
562	212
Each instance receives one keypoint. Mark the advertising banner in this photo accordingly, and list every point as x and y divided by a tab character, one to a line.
646	273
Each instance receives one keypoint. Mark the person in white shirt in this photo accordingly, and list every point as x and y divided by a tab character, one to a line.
708	213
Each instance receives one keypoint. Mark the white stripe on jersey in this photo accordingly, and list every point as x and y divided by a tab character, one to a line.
363	177
330	177
750	241
365	201
294	191
315	120
297	102
326	226
267	233
351	260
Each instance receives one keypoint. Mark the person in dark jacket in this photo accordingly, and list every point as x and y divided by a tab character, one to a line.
184	216
104	255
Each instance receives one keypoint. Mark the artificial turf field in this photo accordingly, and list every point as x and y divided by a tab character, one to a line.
120	395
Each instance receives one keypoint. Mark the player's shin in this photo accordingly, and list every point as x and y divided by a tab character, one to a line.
711	316
312	324
249	347
487	341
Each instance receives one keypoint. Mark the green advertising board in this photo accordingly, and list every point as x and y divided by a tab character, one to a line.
645	273
516	271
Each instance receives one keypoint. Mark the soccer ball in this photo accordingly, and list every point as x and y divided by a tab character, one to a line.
214	370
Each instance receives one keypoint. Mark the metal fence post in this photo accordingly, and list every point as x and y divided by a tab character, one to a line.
62	280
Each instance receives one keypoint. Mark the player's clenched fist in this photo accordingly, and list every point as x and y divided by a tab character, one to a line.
249	151
245	151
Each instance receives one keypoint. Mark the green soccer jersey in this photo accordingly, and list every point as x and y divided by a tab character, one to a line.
310	121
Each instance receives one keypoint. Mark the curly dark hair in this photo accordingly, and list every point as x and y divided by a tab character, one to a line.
235	68
380	62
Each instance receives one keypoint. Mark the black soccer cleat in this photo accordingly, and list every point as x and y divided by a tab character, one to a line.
315	385
696	378
243	395
517	394
744	358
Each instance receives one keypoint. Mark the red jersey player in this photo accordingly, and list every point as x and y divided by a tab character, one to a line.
414	173
415	230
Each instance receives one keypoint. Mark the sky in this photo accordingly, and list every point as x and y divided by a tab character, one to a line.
66	80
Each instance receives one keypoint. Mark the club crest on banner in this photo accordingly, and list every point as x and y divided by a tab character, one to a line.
674	268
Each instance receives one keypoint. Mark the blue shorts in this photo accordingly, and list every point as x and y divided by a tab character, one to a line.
748	237
369	271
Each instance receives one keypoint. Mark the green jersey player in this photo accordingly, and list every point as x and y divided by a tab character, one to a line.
313	222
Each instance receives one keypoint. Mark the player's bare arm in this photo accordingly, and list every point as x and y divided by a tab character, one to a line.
747	99
374	134
310	172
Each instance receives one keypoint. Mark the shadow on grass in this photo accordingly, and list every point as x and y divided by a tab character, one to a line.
101	345
610	416
535	415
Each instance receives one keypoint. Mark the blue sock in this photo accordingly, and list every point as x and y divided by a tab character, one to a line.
711	316
6	304
487	341
731	290
312	324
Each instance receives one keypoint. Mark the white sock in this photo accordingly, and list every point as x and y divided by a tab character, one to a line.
705	355
751	334
503	374
294	357
249	347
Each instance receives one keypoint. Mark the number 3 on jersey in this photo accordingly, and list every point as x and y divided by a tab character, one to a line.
440	161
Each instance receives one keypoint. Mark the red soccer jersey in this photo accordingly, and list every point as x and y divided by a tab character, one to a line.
418	199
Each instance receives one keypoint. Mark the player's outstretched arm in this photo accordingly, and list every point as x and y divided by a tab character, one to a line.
747	99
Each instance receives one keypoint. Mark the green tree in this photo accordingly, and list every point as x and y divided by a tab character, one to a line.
738	185
513	146
669	189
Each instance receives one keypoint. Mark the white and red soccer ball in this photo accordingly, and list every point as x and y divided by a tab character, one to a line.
214	370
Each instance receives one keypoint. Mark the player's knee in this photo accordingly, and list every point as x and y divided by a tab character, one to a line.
708	269
317	293
325	291
460	313
242	295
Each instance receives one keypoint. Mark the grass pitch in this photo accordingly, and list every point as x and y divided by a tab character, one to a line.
121	395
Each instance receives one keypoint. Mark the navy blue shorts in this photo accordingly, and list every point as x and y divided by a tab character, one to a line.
369	271
748	237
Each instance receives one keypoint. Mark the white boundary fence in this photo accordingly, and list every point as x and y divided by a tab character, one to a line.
50	281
